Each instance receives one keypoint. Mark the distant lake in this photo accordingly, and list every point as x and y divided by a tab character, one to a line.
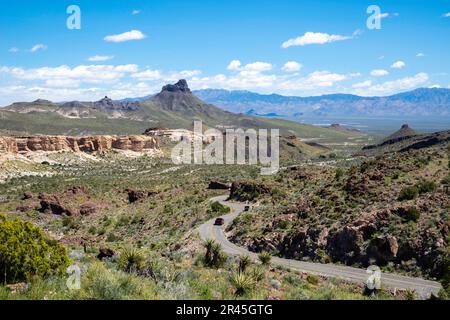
381	126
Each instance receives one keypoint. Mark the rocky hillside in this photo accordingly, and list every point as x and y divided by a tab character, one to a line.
391	210
406	139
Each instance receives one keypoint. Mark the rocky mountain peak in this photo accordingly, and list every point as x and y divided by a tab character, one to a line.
180	86
405	132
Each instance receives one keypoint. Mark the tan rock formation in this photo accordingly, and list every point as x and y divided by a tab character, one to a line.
87	144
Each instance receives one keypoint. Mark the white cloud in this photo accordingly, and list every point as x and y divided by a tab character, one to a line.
363	84
234	65
147	75
394	86
135	12
446	14
291	66
313	38
420	54
13	50
126	36
257	66
97	74
157	75
435	86
37	47
100	58
379	73
398	65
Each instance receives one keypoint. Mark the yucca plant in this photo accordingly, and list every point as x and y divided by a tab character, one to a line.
214	257
265	258
242	283
209	244
218	257
244	262
257	273
132	260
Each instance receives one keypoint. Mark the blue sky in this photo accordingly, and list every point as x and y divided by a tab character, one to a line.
287	47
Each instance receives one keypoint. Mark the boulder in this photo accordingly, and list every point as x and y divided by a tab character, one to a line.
105	253
88	209
345	244
52	204
383	249
137	195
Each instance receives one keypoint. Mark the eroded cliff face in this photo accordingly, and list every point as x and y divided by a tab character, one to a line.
86	144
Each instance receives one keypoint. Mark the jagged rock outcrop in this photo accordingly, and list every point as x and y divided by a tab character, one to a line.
180	86
77	144
383	249
108	104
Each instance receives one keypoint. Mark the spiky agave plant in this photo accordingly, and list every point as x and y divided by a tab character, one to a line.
209	245
242	283
244	262
265	258
218	257
131	260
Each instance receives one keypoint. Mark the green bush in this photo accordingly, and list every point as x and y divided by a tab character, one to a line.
312	279
408	193
25	252
339	174
217	207
426	186
411	214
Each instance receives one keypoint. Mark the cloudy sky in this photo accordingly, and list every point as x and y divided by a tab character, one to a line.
292	47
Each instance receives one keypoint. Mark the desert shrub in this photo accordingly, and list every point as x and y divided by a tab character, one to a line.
132	260
426	186
339	174
312	279
411	214
442	272
25	251
265	258
278	194
104	284
408	193
242	283
410	295
446	181
332	156
217	207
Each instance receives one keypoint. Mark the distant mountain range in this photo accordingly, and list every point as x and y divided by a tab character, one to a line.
174	107
419	102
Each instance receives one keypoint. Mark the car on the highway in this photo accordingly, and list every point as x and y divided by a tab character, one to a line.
219	222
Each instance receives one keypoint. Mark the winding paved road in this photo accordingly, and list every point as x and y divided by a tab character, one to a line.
424	288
